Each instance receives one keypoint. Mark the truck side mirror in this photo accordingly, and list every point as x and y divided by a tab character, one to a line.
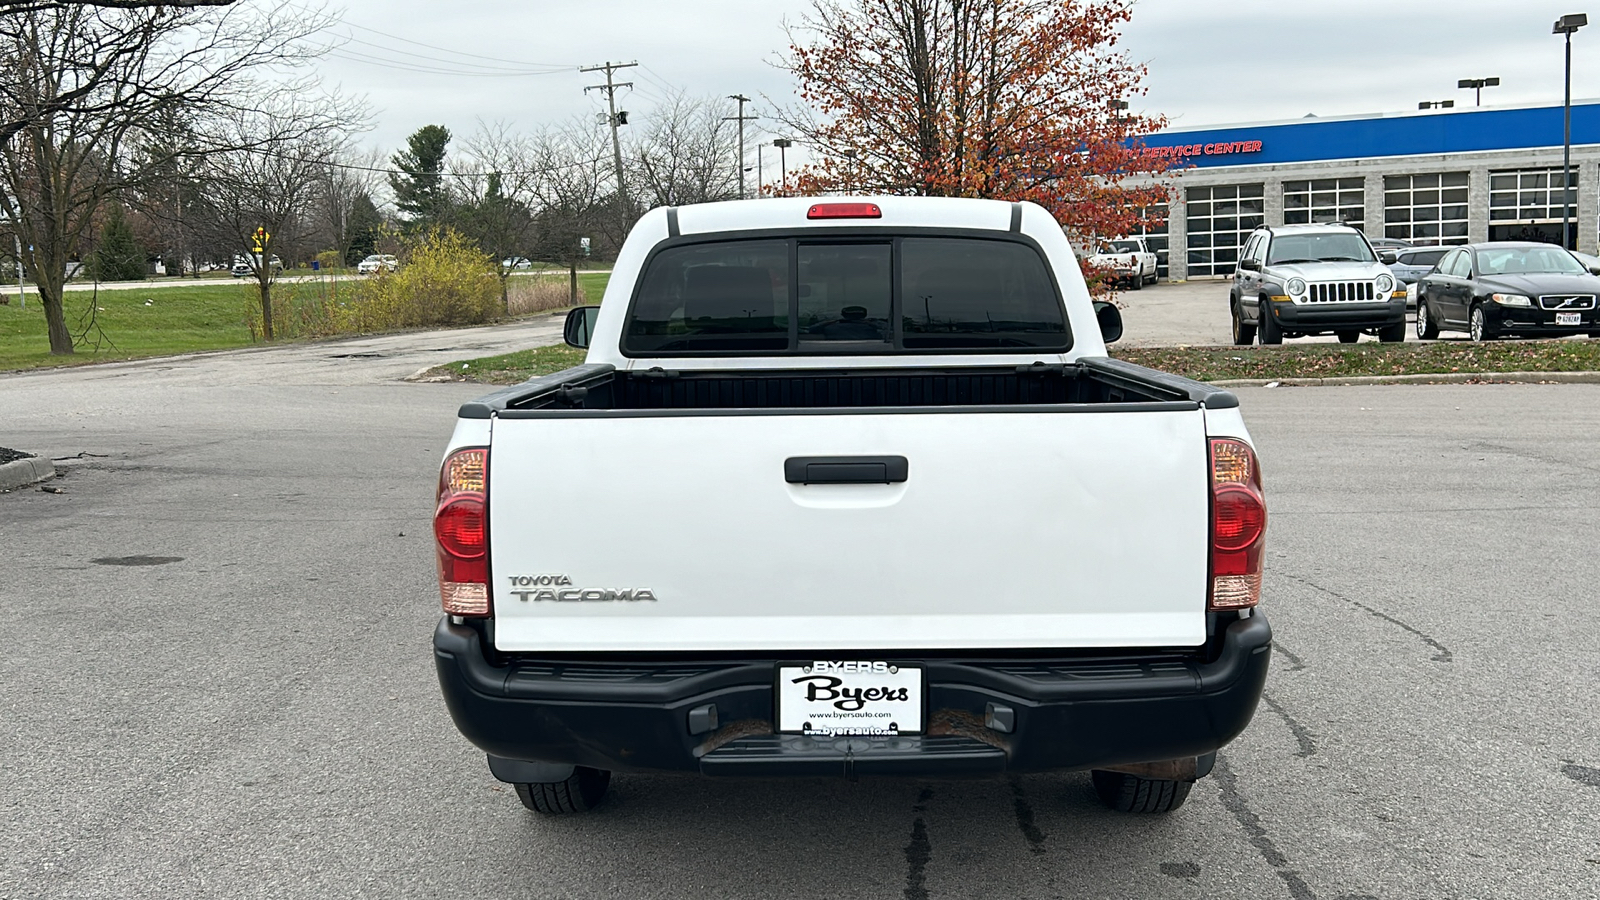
1110	319
1387	257
580	326
1250	263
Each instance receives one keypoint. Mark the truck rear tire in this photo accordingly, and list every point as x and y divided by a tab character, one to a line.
1130	793
579	793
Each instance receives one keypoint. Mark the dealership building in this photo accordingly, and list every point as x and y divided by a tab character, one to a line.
1447	177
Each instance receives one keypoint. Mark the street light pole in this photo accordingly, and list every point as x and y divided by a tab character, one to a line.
1566	25
1477	84
1436	104
783	144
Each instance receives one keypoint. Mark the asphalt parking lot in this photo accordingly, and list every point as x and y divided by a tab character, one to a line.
219	684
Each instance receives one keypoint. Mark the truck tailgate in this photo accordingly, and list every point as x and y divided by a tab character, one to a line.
1012	529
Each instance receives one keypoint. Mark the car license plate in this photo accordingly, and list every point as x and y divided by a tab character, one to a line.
850	697
1569	318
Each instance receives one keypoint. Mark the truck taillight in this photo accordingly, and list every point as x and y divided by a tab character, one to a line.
1238	525
461	532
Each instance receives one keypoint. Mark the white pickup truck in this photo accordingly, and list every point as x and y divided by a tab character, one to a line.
850	487
1130	262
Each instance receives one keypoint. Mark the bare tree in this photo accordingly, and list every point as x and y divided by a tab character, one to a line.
575	187
262	182
498	181
346	179
84	83
12	7
686	154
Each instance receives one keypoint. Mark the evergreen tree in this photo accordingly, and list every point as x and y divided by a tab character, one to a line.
365	223
419	188
119	256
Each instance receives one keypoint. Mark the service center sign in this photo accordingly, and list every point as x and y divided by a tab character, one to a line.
1225	148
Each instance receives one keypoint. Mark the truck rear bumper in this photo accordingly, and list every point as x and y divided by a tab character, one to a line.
984	716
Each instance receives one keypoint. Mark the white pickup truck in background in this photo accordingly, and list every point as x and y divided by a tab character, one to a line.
1130	261
850	487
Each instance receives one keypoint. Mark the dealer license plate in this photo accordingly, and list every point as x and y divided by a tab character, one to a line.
851	697
1569	318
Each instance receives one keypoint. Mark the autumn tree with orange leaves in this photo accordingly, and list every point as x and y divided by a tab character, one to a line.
1006	99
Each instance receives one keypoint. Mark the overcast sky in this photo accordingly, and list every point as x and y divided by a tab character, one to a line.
1211	61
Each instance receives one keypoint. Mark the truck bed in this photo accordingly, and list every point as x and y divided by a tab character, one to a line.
1096	382
912	508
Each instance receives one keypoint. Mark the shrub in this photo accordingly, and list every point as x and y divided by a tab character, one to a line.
538	293
306	309
443	280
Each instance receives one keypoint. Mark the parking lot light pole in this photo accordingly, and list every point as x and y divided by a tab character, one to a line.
783	144
1477	84
1567	25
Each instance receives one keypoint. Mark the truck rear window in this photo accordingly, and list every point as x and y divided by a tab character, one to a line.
858	296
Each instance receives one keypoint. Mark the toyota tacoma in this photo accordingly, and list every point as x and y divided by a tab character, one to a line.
850	488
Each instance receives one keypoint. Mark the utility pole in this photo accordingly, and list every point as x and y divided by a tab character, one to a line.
610	87
741	118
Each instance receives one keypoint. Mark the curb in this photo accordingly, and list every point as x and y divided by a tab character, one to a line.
23	472
1438	378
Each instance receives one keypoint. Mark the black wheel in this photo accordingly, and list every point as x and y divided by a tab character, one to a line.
1348	337
1478	325
1270	332
1130	793
1243	334
1427	325
580	793
1393	334
1138	282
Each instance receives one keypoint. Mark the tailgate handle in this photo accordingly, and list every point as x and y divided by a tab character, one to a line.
845	469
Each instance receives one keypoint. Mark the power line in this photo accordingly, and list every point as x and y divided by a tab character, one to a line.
357	56
521	69
352	167
656	78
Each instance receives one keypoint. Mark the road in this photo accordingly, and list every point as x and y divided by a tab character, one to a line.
218	680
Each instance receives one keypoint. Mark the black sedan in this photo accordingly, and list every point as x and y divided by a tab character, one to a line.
1509	288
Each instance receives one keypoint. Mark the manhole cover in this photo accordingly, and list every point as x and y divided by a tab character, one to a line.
136	560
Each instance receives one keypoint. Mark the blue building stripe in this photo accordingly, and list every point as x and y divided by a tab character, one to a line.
1317	140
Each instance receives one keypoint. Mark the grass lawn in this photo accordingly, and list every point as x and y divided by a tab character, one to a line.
177	320
1342	361
1200	363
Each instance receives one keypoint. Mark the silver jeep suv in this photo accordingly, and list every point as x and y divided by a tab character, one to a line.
1296	280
